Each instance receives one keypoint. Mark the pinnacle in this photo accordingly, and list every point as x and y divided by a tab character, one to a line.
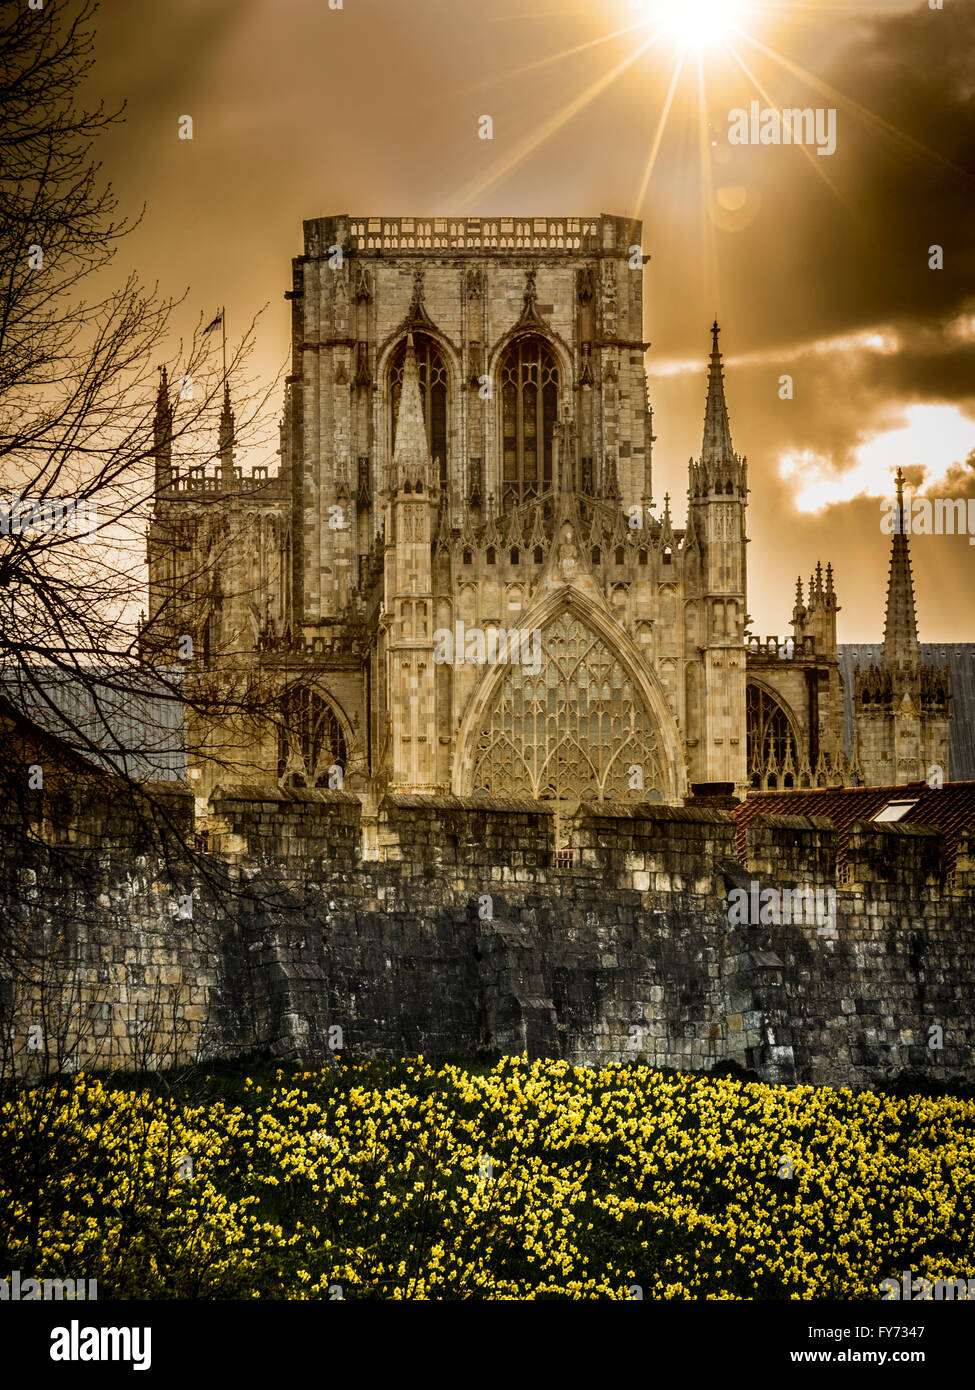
799	606
163	420
717	446
162	393
226	444
901	646
411	453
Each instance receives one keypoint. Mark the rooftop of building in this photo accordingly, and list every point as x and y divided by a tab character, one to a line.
123	722
949	809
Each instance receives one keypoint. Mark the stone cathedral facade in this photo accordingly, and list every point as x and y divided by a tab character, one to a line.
459	580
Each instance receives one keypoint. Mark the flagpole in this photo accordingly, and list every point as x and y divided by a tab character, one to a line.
223	327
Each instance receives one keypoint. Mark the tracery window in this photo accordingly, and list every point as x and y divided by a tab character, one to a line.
529	377
771	741
574	730
433	388
310	740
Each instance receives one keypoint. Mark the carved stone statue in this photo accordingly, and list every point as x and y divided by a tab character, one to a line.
568	555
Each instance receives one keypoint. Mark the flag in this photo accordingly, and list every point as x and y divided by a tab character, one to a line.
215	324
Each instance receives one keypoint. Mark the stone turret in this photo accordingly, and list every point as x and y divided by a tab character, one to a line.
410	529
717	498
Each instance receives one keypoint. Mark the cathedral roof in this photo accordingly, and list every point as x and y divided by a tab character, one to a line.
126	723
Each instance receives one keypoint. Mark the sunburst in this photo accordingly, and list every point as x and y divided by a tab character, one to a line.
699	25
698	41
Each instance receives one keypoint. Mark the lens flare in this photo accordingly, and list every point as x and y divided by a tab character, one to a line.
697	24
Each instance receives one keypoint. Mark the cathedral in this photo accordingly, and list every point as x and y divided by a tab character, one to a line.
459	582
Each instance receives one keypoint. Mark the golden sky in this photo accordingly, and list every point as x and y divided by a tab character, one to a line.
817	266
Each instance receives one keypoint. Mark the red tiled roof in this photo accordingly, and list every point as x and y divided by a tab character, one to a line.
949	808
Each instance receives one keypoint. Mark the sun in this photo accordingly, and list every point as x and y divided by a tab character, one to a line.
697	24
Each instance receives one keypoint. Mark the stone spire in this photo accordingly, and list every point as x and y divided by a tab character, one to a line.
411	452
799	607
901	646
666	528
717	447
226	440
162	434
719	470
901	708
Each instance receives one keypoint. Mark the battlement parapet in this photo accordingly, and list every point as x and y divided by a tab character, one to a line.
213	484
270	822
473	831
792	848
383	235
775	648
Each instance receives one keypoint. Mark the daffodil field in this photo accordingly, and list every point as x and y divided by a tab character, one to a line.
529	1180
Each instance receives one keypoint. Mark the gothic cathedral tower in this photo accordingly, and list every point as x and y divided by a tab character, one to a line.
459	580
469	451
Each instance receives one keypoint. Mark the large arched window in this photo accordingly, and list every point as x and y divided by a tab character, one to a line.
529	377
771	743
574	729
310	740
433	388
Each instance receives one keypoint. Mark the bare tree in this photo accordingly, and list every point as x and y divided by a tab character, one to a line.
79	439
78	399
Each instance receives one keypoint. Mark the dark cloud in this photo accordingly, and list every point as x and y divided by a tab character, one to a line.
915	72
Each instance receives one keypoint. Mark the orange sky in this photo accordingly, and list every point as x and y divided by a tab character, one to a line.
817	266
